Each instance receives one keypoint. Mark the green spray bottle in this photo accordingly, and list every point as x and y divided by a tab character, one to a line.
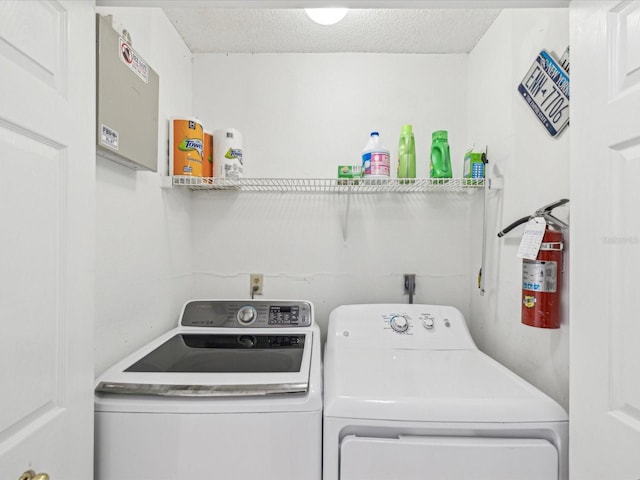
407	153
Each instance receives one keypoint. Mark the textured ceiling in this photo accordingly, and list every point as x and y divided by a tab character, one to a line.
267	30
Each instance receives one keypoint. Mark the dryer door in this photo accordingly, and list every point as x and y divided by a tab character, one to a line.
453	458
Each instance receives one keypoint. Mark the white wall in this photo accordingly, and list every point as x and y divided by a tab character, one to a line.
143	268
535	168
302	115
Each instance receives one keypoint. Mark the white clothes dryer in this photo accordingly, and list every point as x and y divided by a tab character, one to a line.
234	392
409	396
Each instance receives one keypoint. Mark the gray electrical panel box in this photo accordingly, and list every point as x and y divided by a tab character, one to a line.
127	101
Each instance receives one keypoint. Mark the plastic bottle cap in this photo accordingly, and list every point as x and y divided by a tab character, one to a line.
374	133
440	135
407	129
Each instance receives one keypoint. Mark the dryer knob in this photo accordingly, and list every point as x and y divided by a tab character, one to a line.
428	323
247	315
399	323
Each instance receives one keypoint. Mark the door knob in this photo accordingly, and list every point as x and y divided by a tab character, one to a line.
31	475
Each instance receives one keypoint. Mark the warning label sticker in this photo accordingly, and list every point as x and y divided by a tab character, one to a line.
108	137
133	60
539	275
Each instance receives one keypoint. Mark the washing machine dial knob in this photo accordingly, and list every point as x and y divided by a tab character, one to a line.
399	323
247	315
428	323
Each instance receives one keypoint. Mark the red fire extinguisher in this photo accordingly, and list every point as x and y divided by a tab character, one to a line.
542	277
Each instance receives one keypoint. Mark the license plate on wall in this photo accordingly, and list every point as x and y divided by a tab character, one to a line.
545	88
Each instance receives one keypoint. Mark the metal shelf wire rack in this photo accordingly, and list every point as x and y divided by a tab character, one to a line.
331	185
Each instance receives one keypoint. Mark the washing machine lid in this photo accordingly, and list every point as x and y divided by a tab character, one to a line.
430	386
224	353
237	362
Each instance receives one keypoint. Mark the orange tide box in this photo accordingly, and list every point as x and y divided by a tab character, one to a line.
187	147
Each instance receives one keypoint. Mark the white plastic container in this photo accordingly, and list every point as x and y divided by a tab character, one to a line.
375	158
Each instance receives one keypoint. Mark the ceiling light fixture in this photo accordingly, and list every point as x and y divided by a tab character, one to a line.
326	16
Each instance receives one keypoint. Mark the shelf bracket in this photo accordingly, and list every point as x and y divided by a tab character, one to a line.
345	219
489	184
483	265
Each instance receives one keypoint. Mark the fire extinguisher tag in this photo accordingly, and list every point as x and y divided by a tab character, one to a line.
532	238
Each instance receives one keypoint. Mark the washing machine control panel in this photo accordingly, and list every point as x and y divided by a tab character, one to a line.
249	313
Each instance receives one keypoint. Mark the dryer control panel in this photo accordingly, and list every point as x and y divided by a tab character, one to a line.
247	313
405	323
431	327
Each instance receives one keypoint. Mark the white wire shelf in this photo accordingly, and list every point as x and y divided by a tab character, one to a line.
331	185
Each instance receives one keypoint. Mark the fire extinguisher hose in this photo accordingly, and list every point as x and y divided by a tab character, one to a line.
541	212
513	225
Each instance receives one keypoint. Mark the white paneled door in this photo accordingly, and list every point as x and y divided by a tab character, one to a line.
47	188
605	234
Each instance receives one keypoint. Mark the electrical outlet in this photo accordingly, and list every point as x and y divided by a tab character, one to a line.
255	284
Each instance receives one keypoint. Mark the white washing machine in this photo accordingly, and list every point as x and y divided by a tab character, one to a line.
409	396
234	392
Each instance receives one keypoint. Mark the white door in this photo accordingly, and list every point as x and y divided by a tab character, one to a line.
47	186
605	241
